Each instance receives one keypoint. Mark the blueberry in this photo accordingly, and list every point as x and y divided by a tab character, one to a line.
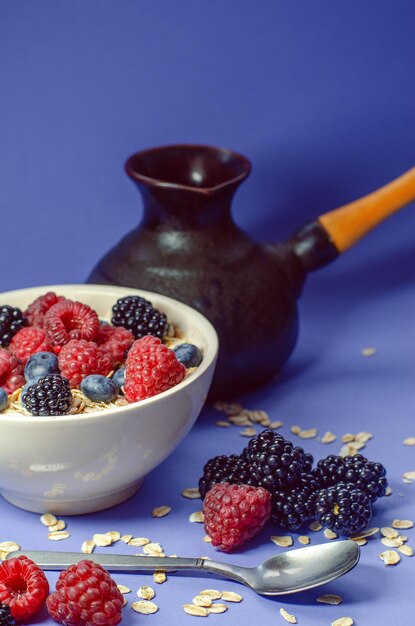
119	377
3	399
99	388
41	364
188	354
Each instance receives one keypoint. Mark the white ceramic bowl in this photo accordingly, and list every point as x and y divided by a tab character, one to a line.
89	462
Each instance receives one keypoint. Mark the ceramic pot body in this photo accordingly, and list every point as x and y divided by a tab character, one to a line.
188	247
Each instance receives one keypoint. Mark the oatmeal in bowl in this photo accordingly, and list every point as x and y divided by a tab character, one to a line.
98	384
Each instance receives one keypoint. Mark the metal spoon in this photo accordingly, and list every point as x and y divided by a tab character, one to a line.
287	572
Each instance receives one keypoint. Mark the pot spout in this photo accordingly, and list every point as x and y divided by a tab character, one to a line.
321	241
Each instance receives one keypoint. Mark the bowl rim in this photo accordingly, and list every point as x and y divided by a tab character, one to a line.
209	358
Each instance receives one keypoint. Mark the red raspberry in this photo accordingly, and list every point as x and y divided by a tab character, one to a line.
79	358
235	513
23	586
29	340
85	595
11	371
68	320
36	311
150	368
116	340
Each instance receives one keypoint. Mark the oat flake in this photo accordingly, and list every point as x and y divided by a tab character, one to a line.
406	550
315	526
409	476
9	546
308	434
284	541
146	593
390	557
58	535
330	534
138	542
198	611
146	607
88	546
388	532
161	511
126	538
330	598
217	608
391	543
248	432
295	429
202	601
213	594
223	424
196	516
402	523
231	596
328	437
159	577
48	519
207	539
291	619
123	589
192	493
364	533
343	621
409	441
60	525
368	351
304	539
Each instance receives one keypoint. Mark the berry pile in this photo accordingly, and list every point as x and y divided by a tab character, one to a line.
65	339
338	492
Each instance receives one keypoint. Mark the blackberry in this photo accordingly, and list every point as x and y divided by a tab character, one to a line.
6	618
230	469
50	395
275	462
291	509
138	315
368	476
344	508
11	321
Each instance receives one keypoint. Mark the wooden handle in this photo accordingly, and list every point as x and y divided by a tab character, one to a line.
350	222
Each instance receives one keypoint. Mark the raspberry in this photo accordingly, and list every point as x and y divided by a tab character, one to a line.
28	341
85	595
35	312
150	368
11	321
230	469
368	476
116	340
23	586
344	508
235	513
139	316
275	462
79	358
68	320
11	371
6	618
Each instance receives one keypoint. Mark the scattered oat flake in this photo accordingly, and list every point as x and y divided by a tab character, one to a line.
196	516
240	420
315	526
369	532
159	577
343	621
138	542
283	541
276	424
58	535
213	594
409	476
391	543
197	611
388	532
202	601
231	596
48	519
409	441
368	351
88	546
248	432
328	437
406	550
364	436
153	549
329	534
310	433
361	542
388	491
3	555
115	535
123	589
390	557
223	424
291	619
102	539
330	598
217	608
146	593
295	429
348	437
161	511
146	607
60	525
192	493
304	539
9	546
207	539
402	524
126	538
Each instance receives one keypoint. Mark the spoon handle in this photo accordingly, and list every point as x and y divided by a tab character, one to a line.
350	222
114	562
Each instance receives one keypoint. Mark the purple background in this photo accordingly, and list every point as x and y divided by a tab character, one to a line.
321	97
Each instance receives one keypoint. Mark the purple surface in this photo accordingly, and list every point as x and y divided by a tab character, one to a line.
321	98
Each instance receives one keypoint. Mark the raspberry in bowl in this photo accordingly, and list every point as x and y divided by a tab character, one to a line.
82	455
